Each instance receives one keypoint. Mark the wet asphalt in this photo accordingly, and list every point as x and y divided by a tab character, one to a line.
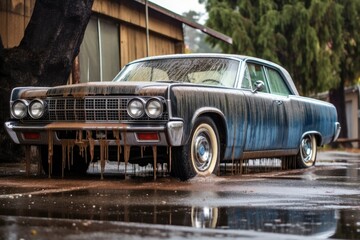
264	203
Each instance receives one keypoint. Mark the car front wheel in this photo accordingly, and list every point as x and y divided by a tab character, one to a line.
307	152
200	156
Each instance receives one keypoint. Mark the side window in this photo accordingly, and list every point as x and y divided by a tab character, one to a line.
277	83
254	72
246	82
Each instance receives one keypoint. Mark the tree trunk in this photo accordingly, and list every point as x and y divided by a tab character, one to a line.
45	55
337	97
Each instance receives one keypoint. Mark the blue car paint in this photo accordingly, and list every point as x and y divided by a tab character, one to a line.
255	121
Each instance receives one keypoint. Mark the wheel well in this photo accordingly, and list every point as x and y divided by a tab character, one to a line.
318	139
317	136
221	127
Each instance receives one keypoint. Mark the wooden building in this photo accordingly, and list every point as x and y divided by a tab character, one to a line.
352	109
119	31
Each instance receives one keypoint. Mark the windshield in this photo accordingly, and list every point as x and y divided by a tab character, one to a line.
204	70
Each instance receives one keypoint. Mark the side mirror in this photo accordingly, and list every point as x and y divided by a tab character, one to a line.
259	86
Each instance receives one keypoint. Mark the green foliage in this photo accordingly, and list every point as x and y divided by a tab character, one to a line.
194	39
318	41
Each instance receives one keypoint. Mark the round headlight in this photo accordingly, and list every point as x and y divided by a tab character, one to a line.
136	108
154	108
19	109
36	108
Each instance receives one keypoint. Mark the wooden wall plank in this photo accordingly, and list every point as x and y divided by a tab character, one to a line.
160	45
97	6
3	5
179	47
134	13
140	44
15	29
166	26
113	8
124	56
133	44
29	7
105	6
16	6
26	21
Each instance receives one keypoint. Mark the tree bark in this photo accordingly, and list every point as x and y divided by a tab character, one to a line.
45	55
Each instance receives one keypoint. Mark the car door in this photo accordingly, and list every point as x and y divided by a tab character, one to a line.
267	121
280	90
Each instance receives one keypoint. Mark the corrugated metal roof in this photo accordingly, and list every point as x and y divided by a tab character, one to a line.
192	24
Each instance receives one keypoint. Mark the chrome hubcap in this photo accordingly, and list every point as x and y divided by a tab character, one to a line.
306	149
203	150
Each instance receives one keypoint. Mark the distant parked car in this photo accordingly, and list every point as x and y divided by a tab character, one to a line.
192	111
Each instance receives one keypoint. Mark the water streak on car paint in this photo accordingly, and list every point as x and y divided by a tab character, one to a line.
68	148
253	113
170	159
91	144
33	93
154	148
103	155
27	159
127	149
50	151
224	101
111	88
267	120
116	134
67	154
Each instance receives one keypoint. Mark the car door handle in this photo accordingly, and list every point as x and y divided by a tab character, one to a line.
278	102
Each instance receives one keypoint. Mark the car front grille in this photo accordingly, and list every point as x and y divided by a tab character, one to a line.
89	109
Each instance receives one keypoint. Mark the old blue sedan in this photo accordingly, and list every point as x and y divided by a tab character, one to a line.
191	111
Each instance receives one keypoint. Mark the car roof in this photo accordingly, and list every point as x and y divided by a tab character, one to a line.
201	55
227	56
193	55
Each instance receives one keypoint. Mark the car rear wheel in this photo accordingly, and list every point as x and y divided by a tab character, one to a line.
78	168
200	156
307	152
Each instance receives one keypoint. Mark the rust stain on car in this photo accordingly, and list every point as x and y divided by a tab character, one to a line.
29	94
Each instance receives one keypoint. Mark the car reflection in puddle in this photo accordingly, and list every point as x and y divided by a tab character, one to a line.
320	202
310	223
322	223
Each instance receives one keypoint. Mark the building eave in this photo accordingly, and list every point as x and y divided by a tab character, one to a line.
192	24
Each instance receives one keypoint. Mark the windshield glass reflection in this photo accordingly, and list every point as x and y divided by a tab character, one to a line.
207	71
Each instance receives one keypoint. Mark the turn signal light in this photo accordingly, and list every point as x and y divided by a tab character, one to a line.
31	135
149	136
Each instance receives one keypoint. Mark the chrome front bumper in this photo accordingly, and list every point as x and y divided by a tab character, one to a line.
170	134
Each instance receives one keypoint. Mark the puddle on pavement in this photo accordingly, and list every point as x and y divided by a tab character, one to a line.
349	171
161	208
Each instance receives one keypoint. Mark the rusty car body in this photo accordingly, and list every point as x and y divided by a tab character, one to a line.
191	111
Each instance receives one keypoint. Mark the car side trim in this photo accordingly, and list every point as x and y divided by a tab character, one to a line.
337	131
9	126
269	153
175	130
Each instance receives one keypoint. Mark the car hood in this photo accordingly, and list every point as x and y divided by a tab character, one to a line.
100	88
